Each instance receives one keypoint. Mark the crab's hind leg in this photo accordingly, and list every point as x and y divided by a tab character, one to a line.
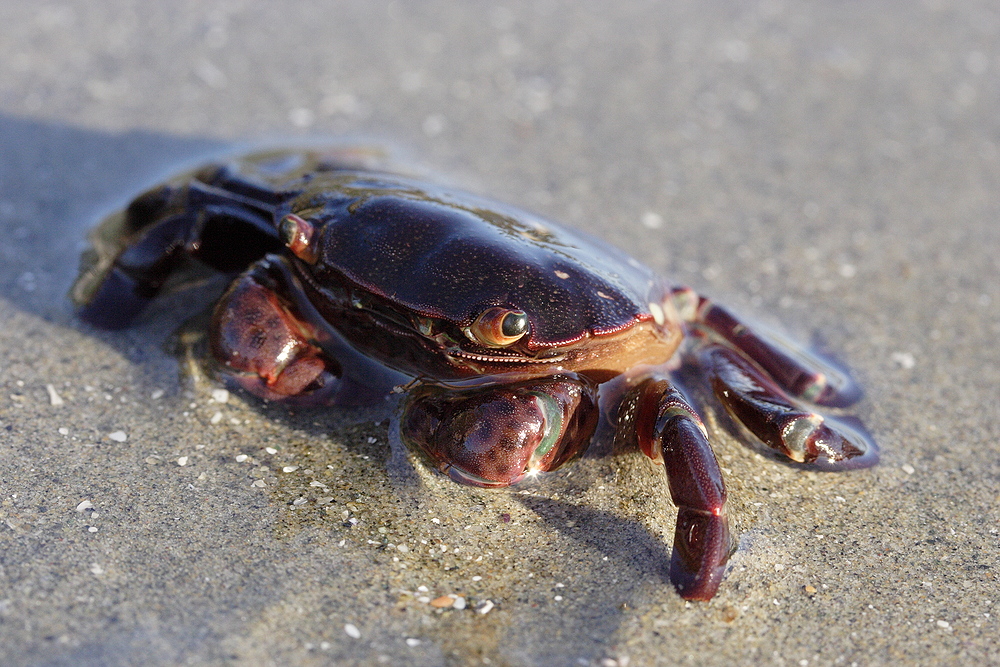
766	386
799	373
669	431
213	216
780	422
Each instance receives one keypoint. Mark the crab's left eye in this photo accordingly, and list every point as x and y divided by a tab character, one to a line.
298	234
499	327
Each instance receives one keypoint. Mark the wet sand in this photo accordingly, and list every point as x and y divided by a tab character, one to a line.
831	171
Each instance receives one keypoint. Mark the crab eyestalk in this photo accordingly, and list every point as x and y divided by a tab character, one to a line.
300	236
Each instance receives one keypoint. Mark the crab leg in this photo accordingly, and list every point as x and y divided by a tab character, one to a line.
163	226
756	402
670	432
797	372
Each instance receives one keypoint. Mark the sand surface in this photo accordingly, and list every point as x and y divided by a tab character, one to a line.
829	169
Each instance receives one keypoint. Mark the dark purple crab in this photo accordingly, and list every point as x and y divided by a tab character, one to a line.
512	334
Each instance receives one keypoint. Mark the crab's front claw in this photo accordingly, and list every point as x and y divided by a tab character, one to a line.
263	343
494	436
780	422
268	339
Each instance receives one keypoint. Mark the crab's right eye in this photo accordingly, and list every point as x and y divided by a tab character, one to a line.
499	327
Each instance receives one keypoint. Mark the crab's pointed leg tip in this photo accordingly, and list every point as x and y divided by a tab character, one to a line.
114	304
698	585
702	545
848	444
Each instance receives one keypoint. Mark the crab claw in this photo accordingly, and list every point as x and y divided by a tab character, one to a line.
263	343
495	436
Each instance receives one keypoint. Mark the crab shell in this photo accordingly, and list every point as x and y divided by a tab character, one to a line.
404	271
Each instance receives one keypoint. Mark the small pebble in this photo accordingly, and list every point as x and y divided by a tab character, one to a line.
157	393
220	395
63	431
443	601
809	589
485	607
289	469
352	631
259	484
118	436
85	505
652	220
54	397
908	469
216	418
412	642
905	360
240	458
270	450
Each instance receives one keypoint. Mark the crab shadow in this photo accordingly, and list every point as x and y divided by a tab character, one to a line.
632	551
55	183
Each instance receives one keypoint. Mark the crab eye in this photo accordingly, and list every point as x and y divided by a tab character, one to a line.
499	327
297	233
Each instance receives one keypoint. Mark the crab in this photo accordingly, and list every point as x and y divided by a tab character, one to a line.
513	337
